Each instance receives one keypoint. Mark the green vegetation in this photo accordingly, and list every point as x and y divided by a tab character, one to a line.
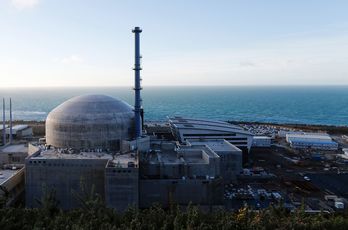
94	215
99	217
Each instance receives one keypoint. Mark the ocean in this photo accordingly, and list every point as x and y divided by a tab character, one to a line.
276	104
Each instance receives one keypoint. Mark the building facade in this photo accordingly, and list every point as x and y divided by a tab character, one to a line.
311	141
187	128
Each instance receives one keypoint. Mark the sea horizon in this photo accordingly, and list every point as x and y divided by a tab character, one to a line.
312	105
167	86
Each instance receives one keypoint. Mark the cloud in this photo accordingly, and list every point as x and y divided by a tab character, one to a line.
247	64
24	4
306	61
72	59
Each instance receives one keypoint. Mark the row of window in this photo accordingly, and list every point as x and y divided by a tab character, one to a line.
121	171
314	144
208	134
238	143
16	159
236	139
56	164
38	162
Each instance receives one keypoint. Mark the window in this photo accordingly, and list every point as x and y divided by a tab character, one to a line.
236	139
238	143
16	159
208	134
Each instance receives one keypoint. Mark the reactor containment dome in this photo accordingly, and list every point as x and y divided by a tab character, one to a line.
90	122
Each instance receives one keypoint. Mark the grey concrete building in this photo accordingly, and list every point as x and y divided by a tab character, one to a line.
71	176
20	131
230	156
12	158
122	182
171	174
12	184
188	129
166	173
13	154
262	141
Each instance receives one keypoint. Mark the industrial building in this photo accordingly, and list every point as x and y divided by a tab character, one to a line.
122	182
319	141
12	159
282	133
69	175
165	173
230	156
187	128
262	141
175	174
11	183
20	131
97	143
3	132
13	154
139	172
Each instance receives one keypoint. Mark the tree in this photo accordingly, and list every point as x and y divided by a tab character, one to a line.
48	202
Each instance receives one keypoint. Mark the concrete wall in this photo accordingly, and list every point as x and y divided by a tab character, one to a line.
181	170
64	176
14	186
141	144
182	192
32	149
121	187
230	166
89	135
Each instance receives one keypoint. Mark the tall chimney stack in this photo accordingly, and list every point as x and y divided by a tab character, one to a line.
3	122
10	121
137	85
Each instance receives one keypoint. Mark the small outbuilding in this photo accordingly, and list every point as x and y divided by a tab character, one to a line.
320	141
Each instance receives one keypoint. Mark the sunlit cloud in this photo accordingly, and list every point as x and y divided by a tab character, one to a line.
24	4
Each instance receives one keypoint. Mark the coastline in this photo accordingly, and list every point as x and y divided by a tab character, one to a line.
331	129
39	126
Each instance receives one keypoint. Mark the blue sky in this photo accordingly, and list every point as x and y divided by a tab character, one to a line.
184	42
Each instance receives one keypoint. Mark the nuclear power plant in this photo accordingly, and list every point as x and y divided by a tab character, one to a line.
98	143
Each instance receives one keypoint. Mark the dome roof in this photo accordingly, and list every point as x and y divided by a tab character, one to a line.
82	107
90	121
